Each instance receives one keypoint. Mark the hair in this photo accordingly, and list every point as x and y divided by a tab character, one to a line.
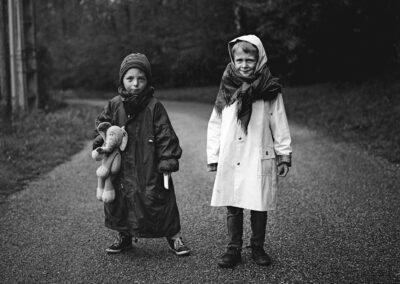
247	47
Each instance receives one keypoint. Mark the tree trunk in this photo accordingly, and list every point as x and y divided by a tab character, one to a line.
5	93
17	62
29	53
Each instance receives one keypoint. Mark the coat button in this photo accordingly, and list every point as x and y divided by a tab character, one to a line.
240	138
238	164
266	153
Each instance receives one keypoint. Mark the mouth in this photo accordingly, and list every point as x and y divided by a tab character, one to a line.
245	72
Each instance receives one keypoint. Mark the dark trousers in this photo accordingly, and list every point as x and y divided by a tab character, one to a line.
235	227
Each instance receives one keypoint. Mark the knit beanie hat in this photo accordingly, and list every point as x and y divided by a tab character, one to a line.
135	60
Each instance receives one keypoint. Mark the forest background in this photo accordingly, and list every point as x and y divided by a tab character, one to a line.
81	43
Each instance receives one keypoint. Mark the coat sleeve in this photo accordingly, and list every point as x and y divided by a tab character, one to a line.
280	131
213	140
168	150
104	116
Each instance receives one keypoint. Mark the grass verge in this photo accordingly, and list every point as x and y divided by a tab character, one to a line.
40	141
367	114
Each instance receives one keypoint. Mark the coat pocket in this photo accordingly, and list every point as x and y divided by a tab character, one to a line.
156	194
267	174
267	161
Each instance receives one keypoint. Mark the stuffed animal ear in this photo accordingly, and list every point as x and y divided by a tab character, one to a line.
124	141
102	129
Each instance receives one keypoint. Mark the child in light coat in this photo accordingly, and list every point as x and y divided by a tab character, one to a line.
248	145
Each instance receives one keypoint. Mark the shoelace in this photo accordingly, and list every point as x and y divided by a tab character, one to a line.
117	241
178	243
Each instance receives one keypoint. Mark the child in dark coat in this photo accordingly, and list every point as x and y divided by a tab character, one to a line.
143	207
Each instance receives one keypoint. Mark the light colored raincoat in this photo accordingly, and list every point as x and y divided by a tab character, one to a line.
247	172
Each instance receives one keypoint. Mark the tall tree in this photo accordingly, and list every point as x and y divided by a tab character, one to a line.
5	94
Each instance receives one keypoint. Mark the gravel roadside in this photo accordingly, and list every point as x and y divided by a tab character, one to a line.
336	221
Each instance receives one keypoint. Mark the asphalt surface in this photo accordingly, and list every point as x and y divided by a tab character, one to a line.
337	221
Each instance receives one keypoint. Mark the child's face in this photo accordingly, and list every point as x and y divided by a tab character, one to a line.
245	63
134	81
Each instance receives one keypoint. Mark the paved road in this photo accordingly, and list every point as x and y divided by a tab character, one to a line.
337	221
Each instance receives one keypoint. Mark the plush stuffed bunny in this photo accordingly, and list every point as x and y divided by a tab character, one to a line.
115	139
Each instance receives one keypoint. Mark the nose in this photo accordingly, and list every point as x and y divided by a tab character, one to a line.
135	82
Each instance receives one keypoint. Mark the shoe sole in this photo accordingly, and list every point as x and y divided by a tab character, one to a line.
263	263
109	251
229	265
180	253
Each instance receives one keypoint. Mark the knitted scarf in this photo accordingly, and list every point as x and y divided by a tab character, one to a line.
135	103
245	90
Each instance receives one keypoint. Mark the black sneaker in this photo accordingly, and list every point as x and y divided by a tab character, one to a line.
259	256
178	247
122	243
229	259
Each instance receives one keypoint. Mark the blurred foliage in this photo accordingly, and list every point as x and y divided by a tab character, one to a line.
89	39
314	41
186	41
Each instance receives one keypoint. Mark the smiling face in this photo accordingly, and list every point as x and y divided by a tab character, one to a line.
245	62
134	81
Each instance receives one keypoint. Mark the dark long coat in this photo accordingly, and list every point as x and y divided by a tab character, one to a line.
142	206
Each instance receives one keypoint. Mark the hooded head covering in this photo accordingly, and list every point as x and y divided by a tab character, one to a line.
246	90
135	60
254	40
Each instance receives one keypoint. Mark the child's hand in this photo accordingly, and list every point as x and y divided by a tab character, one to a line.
283	169
97	142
